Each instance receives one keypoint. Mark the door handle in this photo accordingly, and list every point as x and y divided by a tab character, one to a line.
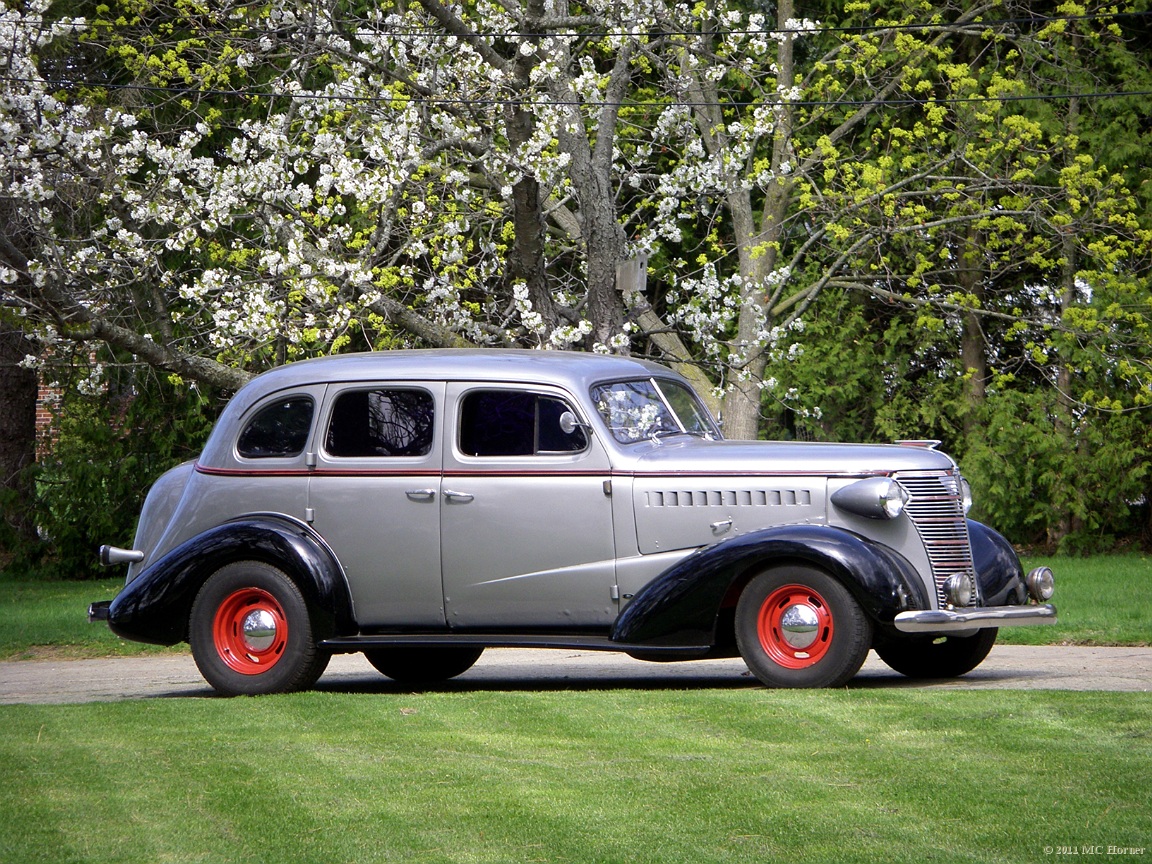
462	497
421	494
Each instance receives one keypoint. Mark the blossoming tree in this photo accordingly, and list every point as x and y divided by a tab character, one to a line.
215	190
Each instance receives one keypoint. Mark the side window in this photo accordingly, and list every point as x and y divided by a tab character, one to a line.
515	423
381	422
279	430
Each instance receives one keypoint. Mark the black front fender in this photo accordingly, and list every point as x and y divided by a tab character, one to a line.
156	605
997	566
681	605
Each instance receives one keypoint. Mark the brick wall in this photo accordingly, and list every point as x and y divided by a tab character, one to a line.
45	419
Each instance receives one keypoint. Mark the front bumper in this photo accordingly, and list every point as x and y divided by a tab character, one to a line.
951	620
98	611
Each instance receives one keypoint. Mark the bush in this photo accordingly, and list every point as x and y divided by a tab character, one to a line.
107	451
1074	486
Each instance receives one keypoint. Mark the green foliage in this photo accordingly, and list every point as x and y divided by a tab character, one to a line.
107	452
915	183
863	370
1072	483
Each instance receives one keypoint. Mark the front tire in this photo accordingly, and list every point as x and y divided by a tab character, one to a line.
938	657
422	665
798	627
250	632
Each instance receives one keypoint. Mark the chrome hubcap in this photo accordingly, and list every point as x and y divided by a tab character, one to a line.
799	626
259	629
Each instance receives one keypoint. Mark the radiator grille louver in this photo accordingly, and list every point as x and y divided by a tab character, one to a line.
937	511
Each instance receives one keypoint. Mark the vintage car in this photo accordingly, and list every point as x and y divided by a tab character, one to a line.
420	506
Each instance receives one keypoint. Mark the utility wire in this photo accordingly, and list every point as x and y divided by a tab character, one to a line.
360	29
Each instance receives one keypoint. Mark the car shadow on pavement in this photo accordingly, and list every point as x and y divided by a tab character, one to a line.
514	685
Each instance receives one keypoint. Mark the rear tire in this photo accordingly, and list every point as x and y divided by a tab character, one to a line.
796	626
938	657
423	665
250	632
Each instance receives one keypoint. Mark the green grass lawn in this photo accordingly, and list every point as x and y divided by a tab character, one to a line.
49	619
624	776
1101	600
630	776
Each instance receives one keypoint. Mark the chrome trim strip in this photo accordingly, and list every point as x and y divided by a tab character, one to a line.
944	621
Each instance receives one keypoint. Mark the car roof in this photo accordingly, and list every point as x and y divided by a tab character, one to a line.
572	369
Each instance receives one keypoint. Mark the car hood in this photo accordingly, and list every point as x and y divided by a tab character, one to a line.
684	455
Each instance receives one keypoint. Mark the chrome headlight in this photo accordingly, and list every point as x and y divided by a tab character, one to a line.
1041	584
876	498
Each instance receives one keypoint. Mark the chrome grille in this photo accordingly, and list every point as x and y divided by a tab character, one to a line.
937	511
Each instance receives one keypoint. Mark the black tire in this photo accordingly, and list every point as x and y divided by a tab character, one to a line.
250	632
423	665
821	610
937	657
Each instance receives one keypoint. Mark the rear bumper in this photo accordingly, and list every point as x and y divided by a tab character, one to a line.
948	621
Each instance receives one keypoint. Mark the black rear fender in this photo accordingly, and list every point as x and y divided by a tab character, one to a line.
684	603
156	605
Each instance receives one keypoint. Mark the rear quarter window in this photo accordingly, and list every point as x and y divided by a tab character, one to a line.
278	430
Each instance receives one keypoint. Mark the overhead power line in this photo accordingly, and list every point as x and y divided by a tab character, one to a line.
361	28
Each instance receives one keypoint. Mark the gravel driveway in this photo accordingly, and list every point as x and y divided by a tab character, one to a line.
175	676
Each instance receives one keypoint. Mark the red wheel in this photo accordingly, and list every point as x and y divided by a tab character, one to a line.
799	627
250	631
251	634
795	626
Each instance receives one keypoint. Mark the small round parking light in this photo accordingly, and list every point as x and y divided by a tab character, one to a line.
960	589
1041	584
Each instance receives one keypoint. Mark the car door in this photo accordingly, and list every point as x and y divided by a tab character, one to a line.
526	513
374	496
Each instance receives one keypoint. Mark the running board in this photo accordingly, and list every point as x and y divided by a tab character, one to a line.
348	644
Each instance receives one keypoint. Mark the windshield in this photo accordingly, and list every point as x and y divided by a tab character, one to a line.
651	408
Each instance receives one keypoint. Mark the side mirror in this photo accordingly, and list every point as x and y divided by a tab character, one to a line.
569	424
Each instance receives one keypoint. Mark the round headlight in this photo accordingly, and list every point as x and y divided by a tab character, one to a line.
893	499
1041	583
876	498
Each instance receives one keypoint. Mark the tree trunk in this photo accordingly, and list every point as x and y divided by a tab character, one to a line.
972	351
18	390
1065	425
527	261
759	253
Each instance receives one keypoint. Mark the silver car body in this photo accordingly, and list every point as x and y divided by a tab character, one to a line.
557	540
